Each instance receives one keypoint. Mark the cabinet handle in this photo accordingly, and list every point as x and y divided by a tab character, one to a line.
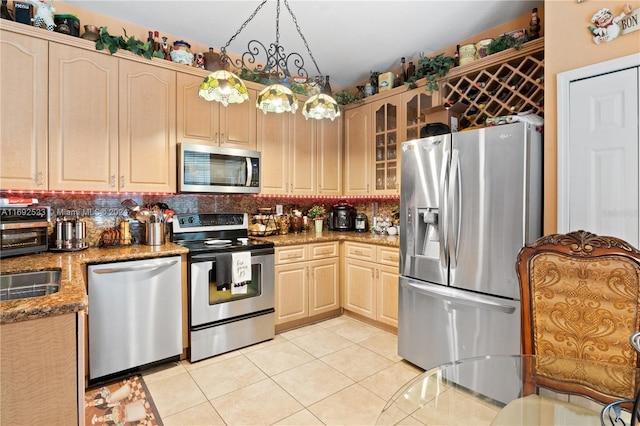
367	188
122	181
40	179
222	139
358	253
377	272
392	258
293	256
320	189
217	138
112	181
325	252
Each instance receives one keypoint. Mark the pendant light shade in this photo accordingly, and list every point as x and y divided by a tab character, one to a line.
321	106
225	87
277	98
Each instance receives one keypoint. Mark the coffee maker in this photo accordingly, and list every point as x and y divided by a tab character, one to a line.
342	217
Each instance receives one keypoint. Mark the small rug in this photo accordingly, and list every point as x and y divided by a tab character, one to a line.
125	402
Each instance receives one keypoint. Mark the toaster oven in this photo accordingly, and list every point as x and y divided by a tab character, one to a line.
24	230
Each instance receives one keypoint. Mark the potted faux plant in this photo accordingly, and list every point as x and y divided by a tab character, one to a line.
432	69
317	213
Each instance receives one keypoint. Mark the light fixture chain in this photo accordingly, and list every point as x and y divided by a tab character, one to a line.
278	24
224	49
295	21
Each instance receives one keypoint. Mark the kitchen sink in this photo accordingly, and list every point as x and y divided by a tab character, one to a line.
24	285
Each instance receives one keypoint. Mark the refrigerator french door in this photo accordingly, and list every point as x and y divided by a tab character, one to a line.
469	201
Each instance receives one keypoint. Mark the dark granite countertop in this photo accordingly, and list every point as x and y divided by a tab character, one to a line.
310	237
72	296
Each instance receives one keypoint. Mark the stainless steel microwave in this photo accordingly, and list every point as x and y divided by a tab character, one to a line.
212	169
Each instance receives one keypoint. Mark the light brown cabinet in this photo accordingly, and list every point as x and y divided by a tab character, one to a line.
386	136
371	282
300	156
307	283
23	122
83	131
211	123
99	122
357	161
41	379
374	133
147	123
329	156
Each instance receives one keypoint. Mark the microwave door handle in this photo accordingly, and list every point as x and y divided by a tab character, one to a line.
249	172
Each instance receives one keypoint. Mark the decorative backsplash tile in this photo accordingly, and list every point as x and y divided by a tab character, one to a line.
105	211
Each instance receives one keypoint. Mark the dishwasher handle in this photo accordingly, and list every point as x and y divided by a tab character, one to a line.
143	267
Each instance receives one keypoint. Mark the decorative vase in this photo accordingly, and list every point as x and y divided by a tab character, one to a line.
319	223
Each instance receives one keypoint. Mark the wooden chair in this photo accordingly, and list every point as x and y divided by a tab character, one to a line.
580	301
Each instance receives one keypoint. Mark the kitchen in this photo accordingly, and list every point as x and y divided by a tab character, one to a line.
103	204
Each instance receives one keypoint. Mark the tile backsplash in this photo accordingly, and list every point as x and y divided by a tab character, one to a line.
105	211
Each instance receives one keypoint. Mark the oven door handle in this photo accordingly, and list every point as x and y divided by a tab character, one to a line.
249	172
207	257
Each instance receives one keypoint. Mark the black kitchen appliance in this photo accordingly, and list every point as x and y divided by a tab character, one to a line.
342	217
24	229
221	320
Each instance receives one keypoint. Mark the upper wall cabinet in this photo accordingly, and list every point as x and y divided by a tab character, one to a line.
211	123
147	122
77	119
329	156
83	129
23	122
357	161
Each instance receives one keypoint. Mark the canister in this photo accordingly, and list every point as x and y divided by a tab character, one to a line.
467	53
155	230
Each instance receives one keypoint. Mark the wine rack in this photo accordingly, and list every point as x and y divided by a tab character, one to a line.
504	83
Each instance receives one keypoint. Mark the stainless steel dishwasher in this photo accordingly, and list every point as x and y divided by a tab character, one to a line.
135	314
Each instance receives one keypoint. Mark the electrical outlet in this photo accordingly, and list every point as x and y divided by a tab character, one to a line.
278	208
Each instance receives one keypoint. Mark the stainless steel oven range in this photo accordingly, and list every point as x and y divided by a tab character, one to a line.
224	313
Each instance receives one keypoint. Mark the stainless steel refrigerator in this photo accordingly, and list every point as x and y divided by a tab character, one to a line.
469	201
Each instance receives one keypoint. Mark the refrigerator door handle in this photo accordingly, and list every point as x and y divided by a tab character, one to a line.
454	208
443	220
457	298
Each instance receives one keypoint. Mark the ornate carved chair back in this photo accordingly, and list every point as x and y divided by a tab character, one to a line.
580	300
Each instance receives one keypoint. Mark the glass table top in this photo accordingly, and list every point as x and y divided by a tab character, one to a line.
498	390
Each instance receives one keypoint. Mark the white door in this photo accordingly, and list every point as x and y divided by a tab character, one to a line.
599	167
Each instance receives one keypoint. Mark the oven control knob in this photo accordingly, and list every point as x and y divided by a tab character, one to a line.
190	219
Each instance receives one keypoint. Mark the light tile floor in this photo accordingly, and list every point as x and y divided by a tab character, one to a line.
336	372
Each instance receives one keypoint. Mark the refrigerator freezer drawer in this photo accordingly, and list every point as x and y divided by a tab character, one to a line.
438	324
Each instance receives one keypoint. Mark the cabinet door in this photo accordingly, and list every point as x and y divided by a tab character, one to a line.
387	295
357	161
386	114
197	120
323	286
83	119
302	161
238	123
414	105
329	158
273	143
360	288
147	138
23	122
292	297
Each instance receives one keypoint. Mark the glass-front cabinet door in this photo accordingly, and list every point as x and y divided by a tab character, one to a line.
386	139
415	104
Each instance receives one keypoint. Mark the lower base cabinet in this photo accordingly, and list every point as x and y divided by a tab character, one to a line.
307	283
40	379
371	281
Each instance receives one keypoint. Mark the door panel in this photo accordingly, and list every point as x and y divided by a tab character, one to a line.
604	181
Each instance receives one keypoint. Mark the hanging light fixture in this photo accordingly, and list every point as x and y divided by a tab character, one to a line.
278	97
223	86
